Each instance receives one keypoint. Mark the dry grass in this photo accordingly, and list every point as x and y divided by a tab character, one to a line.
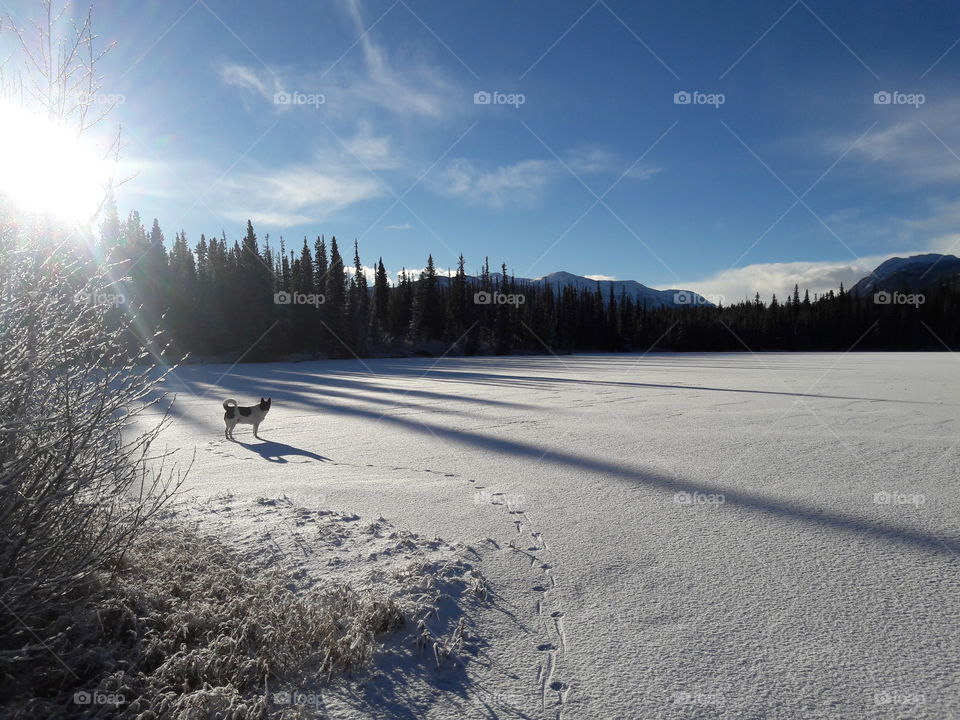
189	630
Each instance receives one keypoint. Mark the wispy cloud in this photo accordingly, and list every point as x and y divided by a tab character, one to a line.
252	81
592	160
517	184
373	151
292	195
600	277
366	78
523	183
404	226
921	148
398	84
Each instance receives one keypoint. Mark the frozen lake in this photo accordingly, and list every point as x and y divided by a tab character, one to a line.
667	536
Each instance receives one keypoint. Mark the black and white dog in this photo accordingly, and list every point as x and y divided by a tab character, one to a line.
252	415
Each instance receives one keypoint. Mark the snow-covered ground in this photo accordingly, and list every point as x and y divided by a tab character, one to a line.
664	536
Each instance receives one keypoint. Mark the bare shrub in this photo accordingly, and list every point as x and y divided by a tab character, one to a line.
74	489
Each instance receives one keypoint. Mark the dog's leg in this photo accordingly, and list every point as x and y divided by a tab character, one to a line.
256	429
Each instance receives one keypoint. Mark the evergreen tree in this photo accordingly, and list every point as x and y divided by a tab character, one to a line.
380	319
427	321
335	304
358	305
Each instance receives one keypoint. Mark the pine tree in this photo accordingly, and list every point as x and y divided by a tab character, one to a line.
358	305
335	304
427	321
380	319
255	303
401	307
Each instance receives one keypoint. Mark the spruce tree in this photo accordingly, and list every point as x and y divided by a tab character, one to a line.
380	321
335	304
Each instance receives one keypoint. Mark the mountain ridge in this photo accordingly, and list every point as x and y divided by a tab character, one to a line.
636	291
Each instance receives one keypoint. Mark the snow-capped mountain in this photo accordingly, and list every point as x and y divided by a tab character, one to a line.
909	274
637	292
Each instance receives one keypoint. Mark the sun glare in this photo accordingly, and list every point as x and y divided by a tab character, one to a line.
46	169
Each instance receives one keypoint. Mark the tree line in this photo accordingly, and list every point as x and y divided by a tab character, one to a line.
244	300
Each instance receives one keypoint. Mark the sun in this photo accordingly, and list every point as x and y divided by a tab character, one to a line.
46	169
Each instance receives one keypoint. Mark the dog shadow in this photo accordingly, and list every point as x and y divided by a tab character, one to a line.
279	452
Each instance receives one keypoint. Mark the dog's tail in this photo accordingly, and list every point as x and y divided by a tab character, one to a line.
228	403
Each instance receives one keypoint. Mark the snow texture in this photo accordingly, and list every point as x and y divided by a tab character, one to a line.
662	536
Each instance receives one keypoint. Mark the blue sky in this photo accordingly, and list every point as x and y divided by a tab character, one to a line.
799	175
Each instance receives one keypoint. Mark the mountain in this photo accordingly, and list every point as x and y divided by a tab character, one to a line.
912	274
637	292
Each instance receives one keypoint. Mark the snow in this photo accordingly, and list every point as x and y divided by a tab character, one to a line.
664	536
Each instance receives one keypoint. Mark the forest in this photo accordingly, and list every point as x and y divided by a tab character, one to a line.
247	301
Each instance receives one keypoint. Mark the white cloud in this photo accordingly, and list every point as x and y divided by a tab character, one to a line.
404	226
600	277
252	81
523	182
592	160
372	151
400	84
519	183
737	284
293	195
922	148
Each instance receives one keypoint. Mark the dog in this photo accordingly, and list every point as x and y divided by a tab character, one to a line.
253	415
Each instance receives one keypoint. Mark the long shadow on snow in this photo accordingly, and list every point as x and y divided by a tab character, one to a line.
513	380
795	511
278	451
779	508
